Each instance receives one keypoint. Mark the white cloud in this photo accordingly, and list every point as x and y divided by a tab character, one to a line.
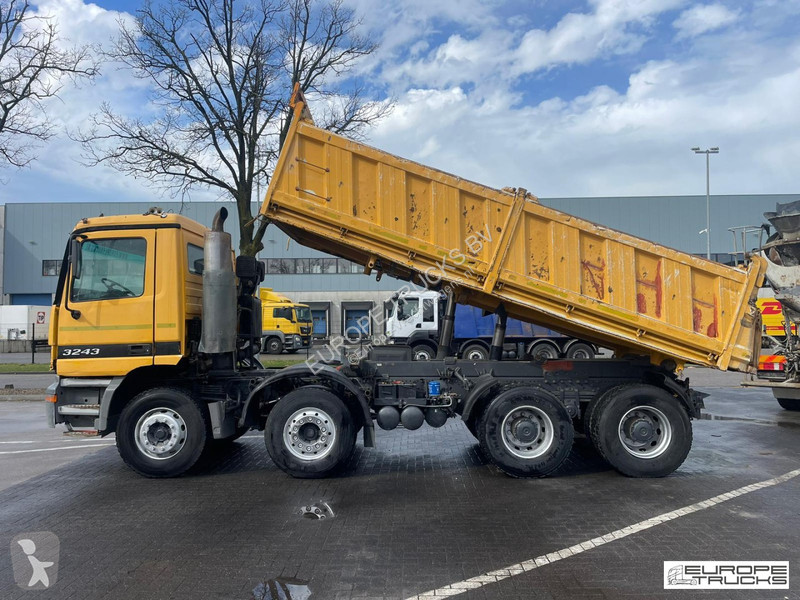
701	19
492	53
631	143
492	97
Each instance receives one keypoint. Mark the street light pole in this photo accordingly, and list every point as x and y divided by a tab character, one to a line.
707	152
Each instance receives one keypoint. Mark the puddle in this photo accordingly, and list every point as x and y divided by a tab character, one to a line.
282	588
319	510
708	417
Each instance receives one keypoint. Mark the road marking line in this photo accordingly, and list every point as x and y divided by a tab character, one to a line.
54	449
50	441
510	571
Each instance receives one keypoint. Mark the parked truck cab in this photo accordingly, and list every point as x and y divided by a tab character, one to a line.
286	324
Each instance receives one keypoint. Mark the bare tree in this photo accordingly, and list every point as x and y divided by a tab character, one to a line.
221	73
33	68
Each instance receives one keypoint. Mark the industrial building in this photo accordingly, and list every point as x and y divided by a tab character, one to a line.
33	237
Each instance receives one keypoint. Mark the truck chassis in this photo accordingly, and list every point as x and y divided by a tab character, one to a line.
524	414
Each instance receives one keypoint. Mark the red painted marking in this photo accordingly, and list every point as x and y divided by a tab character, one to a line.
558	365
697	319
713	329
596	278
641	304
657	285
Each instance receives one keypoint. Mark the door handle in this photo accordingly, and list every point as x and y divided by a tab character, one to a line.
419	325
139	349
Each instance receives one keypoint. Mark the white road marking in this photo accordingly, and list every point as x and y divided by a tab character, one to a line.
54	449
529	565
61	441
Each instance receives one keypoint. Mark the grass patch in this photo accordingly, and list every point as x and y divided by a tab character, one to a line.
279	363
23	368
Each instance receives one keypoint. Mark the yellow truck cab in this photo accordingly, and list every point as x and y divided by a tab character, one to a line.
286	324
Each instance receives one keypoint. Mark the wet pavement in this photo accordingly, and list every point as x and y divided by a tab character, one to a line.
420	512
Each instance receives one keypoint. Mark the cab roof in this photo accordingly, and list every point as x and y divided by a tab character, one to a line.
147	220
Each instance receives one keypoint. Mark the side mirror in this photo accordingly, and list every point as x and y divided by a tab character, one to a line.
75	257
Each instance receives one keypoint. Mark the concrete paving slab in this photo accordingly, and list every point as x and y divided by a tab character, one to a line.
421	511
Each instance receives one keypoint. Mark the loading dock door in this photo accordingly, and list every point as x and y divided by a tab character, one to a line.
320	319
356	323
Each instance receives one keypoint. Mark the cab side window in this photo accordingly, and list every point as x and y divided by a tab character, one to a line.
110	269
194	254
407	308
427	310
282	313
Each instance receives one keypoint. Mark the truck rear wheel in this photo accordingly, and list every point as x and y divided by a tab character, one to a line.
310	433
580	350
162	432
542	351
525	432
641	430
475	352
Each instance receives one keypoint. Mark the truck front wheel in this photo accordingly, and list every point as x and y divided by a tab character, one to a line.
310	433
423	351
641	430
525	433
162	432
273	345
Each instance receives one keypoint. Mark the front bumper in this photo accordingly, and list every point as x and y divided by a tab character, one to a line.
296	342
50	407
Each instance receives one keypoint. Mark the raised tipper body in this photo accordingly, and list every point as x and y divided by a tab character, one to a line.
502	246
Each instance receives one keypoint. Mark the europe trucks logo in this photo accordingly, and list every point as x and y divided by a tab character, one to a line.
734	575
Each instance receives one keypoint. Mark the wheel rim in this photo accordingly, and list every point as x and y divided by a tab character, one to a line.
645	432
309	434
527	432
423	354
580	353
544	352
476	354
160	433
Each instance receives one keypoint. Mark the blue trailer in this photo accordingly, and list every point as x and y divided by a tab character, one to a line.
414	319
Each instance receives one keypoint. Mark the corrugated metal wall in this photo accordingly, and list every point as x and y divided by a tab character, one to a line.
38	231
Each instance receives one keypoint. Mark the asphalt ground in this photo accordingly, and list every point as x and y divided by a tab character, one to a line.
422	512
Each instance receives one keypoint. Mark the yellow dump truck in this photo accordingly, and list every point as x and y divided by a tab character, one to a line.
157	343
285	325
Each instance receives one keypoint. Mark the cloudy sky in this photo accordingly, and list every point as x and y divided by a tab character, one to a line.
564	98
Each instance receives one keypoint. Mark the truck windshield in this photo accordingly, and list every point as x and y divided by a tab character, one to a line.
302	314
111	268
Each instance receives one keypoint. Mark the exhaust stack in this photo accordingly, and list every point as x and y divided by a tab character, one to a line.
219	294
